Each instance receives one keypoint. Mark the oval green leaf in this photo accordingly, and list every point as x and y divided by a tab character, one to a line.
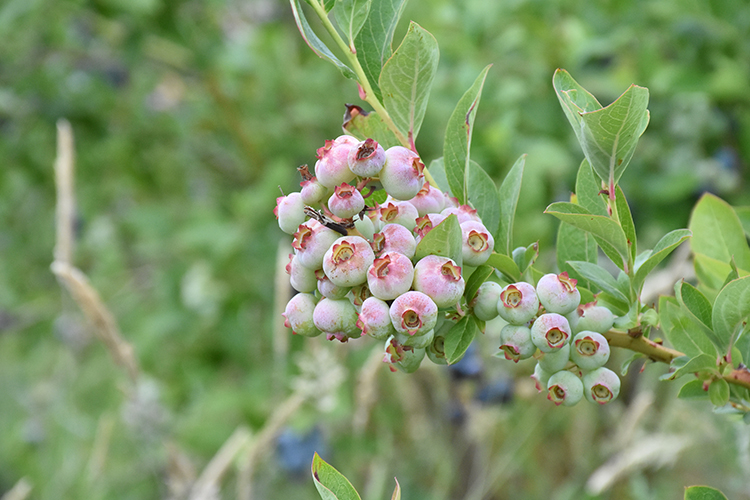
443	239
330	483
483	196
459	337
703	493
315	43
509	193
731	314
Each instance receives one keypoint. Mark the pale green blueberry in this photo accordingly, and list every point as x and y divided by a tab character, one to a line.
564	388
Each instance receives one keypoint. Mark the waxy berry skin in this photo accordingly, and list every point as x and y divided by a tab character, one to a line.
390	275
298	315
518	303
556	360
484	303
290	212
337	319
367	158
429	200
403	173
589	350
477	243
550	331
413	313
558	293
375	320
592	318
540	377
564	388
601	385
312	191
301	278
463	212
394	238
515	342
396	212
328	289
332	168
347	260
440	278
346	201
311	242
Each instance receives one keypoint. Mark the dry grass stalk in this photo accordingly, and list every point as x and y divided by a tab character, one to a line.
20	491
208	483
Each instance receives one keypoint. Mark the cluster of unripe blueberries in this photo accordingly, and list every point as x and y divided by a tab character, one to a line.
356	269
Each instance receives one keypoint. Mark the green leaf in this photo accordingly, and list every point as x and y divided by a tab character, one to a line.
331	484
327	4
698	307
693	390
574	244
437	170
604	228
505	265
718	392
718	233
524	257
588	188
476	279
509	192
682	331
685	366
406	79
703	493
443	239
374	40
315	43
350	16
368	124
601	278
663	248
626	222
458	138
458	338
483	196
608	135
731	314
743	213
626	364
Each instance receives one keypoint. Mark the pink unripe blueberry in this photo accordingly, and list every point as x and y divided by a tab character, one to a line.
590	350
440	278
375	319
394	238
485	301
477	243
556	360
550	331
346	201
463	212
390	275
540	377
290	211
298	315
397	212
414	313
601	385
403	173
301	278
347	260
592	318
429	199
332	167
558	293
515	342
311	241
564	388
518	303
337	318
367	158
312	191
328	289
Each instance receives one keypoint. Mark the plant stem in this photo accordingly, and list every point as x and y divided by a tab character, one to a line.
658	352
370	97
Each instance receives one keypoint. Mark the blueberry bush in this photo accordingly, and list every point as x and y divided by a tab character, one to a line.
422	256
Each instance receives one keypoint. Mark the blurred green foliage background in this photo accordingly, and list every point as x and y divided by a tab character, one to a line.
188	115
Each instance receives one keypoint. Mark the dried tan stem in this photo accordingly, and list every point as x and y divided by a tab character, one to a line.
20	491
65	211
208	483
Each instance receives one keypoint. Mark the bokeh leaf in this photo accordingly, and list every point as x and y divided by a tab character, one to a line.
458	138
315	43
330	483
703	493
509	191
374	40
406	79
483	196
